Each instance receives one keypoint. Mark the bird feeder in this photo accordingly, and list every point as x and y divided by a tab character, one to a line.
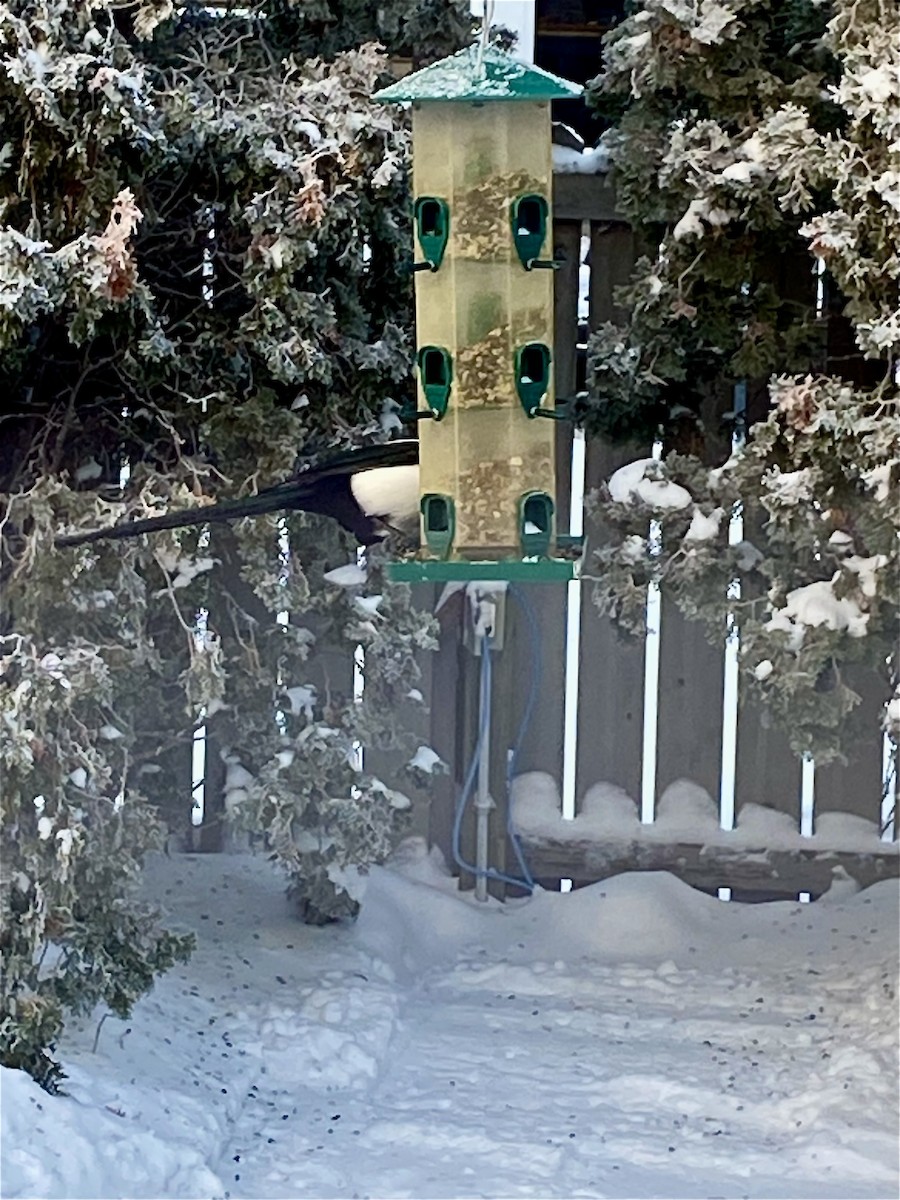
482	178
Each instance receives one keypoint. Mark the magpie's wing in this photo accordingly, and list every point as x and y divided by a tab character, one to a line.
322	489
403	452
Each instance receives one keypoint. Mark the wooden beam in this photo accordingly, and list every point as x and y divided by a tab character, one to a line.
578	197
771	871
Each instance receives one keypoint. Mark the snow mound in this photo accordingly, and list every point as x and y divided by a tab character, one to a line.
686	811
411	925
415	922
535	801
634	918
51	1150
607	808
766	826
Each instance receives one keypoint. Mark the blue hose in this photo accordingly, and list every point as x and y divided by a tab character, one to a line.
527	880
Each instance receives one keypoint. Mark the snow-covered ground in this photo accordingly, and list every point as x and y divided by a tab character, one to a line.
632	1039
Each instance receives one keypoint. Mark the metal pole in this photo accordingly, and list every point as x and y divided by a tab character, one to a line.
483	801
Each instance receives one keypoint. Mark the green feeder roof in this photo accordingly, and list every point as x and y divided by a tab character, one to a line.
476	74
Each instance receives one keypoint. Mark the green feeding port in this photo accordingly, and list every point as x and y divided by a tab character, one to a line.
528	218
535	524
436	374
532	375
439	522
432	218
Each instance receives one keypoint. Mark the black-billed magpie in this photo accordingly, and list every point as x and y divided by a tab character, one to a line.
371	492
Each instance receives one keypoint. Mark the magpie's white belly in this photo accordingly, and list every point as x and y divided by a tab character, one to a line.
391	493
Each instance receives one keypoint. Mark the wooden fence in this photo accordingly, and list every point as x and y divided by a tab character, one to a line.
691	743
609	743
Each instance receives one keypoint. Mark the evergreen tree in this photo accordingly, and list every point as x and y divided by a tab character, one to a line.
203	246
756	160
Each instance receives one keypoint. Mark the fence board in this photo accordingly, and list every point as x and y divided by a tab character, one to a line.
467	733
856	786
409	718
611	682
767	771
510	675
168	787
611	258
543	747
691	674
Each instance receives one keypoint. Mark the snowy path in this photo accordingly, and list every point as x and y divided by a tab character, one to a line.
634	1039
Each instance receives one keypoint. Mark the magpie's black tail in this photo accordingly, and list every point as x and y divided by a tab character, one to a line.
282	497
323	489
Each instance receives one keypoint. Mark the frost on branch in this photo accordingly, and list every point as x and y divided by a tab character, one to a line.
203	233
755	152
818	581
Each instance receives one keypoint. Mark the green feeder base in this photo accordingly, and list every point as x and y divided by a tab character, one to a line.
535	570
